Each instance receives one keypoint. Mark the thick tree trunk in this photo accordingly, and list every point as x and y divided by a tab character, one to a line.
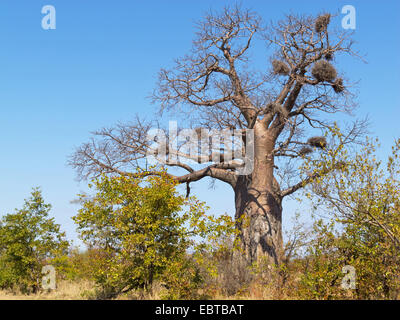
259	207
259	217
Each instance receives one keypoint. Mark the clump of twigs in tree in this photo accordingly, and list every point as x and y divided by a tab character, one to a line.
305	150
317	142
321	23
280	67
328	56
324	71
338	86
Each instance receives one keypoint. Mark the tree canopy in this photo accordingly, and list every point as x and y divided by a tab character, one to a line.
29	240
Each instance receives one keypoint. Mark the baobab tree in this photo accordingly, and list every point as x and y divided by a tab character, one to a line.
216	86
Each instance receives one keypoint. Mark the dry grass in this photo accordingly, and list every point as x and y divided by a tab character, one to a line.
83	290
66	290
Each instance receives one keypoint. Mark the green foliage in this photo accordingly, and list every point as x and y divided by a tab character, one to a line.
141	228
78	265
364	198
322	270
183	279
29	239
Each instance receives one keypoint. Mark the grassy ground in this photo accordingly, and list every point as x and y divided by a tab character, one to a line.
82	290
66	290
78	290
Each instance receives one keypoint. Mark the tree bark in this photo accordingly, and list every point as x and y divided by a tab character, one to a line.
259	220
259	206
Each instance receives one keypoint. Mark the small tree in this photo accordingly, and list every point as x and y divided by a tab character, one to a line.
139	229
364	199
29	239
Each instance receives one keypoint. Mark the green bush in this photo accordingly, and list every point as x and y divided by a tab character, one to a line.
142	227
364	233
29	239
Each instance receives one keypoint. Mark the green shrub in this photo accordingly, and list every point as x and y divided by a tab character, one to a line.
142	227
29	239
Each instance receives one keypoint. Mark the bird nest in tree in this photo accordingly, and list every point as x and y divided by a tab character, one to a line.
321	23
280	67
338	85
305	150
324	71
318	142
328	56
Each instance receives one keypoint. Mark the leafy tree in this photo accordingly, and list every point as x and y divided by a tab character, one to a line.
217	87
29	239
363	197
140	233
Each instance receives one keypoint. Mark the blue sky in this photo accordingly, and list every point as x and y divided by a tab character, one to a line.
100	64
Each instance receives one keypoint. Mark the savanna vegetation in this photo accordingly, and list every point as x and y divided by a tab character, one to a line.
144	239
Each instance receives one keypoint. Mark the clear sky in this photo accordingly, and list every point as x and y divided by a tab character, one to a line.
100	64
